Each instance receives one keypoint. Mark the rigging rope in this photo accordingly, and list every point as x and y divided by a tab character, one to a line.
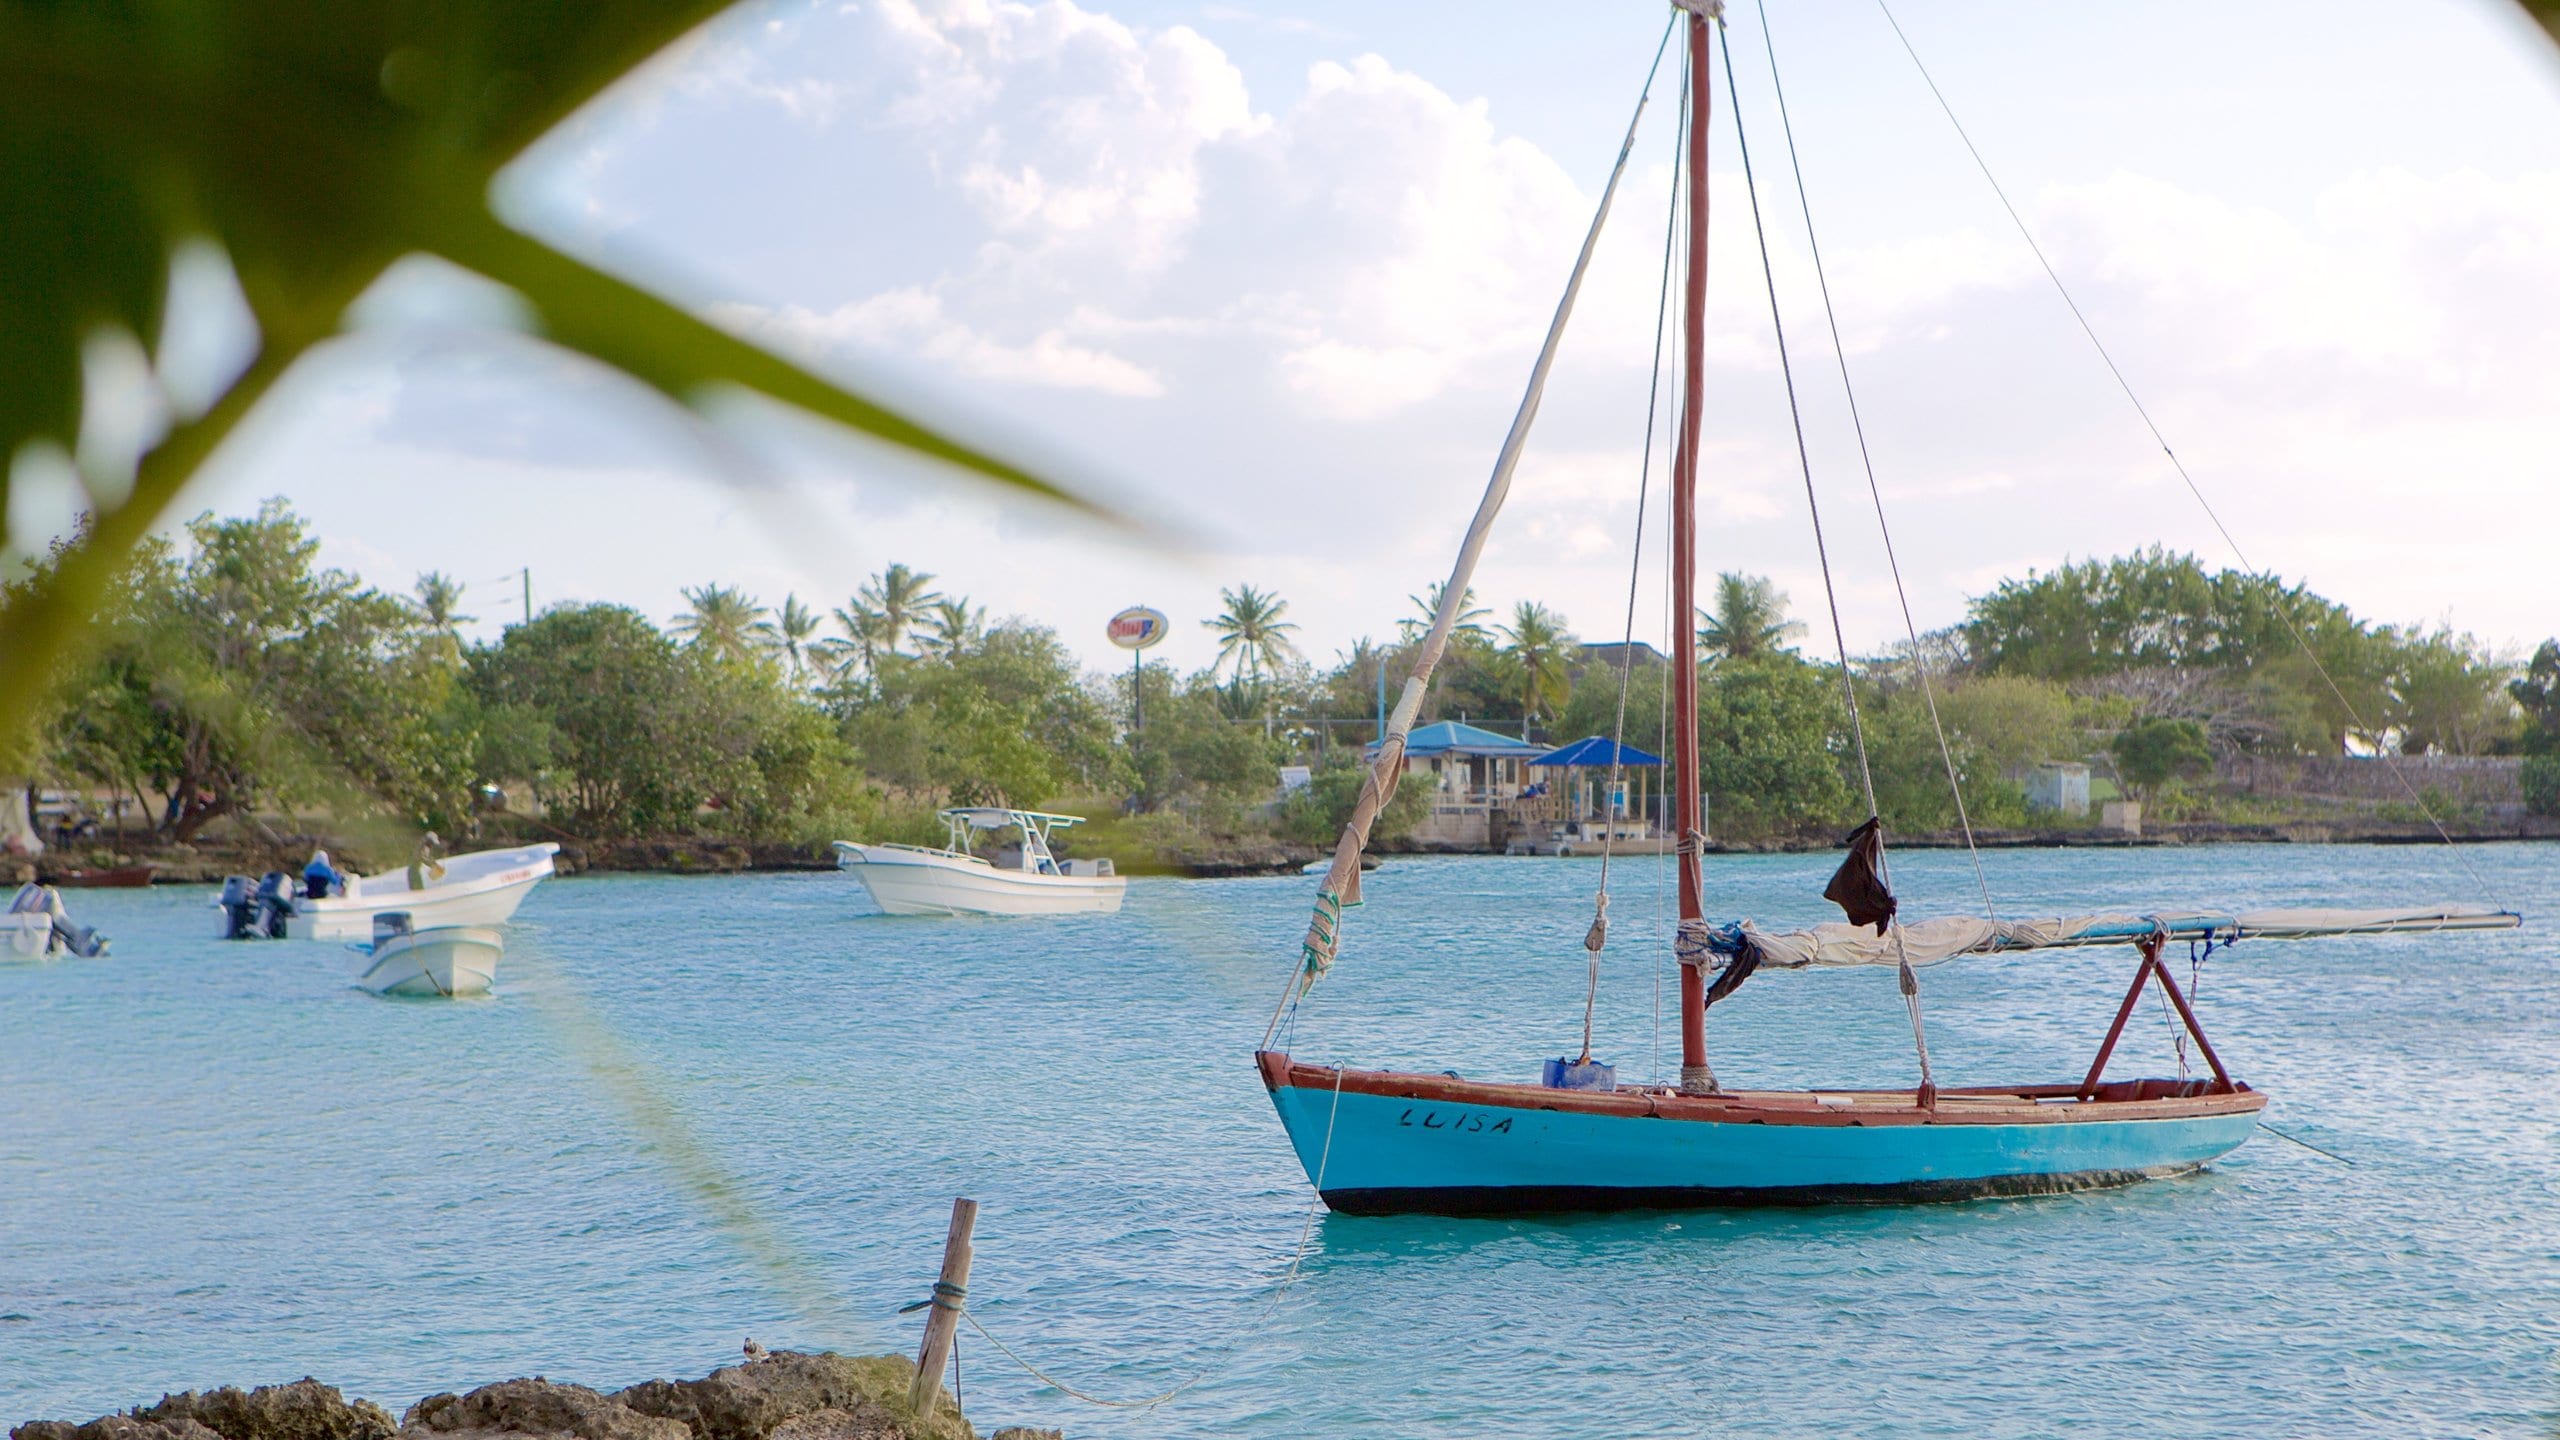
1795	413
1599	934
2300	641
1342	881
1908	978
1663	906
1858	426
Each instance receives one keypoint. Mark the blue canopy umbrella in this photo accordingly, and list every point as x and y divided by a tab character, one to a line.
1593	751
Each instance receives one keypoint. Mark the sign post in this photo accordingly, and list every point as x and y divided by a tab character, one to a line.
1133	630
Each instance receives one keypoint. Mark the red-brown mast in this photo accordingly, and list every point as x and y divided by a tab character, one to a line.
1694	1073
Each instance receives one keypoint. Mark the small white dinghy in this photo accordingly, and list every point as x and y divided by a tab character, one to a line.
1026	879
483	887
444	961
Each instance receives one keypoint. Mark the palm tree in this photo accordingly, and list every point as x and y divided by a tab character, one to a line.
438	594
790	633
1253	640
1471	616
951	625
1750	618
898	596
1251	635
864	639
723	622
1539	652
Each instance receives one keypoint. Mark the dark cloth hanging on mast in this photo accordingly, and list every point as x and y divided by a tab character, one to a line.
1858	886
1746	959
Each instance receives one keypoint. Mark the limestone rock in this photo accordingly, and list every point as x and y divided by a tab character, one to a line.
754	1400
113	1427
864	1421
784	1395
303	1410
534	1407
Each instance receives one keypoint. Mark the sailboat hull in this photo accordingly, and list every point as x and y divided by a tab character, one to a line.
1384	1142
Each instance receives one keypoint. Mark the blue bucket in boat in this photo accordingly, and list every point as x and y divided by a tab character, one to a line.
1586	1075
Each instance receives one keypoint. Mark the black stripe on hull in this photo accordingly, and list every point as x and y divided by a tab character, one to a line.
1494	1200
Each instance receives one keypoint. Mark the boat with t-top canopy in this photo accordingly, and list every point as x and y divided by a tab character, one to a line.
1026	876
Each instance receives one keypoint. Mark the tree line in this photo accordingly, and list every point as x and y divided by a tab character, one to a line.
233	678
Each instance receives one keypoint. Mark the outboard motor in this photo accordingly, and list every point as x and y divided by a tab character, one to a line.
391	925
275	904
239	909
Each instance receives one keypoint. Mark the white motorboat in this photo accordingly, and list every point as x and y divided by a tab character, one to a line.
29	935
26	936
445	960
1026	878
480	888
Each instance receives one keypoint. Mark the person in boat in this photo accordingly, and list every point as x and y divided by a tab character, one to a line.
424	868
37	899
321	878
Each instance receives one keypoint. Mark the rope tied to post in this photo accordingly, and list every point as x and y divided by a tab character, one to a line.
945	1296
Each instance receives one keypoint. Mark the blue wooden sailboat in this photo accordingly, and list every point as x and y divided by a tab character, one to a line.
1381	1141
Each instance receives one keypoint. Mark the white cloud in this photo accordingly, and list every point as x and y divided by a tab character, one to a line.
1376	246
912	321
2389	271
1318	300
1067	128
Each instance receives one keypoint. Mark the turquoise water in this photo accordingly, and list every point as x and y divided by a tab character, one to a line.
702	1109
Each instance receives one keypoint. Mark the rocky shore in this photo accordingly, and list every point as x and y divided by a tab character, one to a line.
209	862
785	1395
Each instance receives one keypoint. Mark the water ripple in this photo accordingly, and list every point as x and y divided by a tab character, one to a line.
221	1163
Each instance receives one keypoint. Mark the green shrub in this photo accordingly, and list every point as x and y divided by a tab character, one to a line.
2542	784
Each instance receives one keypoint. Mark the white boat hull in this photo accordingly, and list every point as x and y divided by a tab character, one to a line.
443	962
26	936
483	888
916	882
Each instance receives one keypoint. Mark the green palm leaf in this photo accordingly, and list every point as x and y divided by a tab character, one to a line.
316	145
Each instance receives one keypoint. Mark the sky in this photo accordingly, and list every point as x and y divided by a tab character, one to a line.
1267	279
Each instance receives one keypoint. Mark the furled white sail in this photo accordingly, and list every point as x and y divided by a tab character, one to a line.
1931	941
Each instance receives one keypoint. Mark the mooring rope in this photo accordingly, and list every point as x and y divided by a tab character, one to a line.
2307	1145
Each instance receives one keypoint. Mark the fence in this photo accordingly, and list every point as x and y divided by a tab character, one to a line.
2485	780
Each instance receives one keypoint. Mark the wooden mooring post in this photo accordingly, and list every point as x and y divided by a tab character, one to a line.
942	1317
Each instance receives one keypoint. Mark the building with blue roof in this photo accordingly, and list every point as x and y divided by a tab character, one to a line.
1471	774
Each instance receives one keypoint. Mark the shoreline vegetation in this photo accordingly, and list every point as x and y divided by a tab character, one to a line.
783	1395
209	864
238	704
